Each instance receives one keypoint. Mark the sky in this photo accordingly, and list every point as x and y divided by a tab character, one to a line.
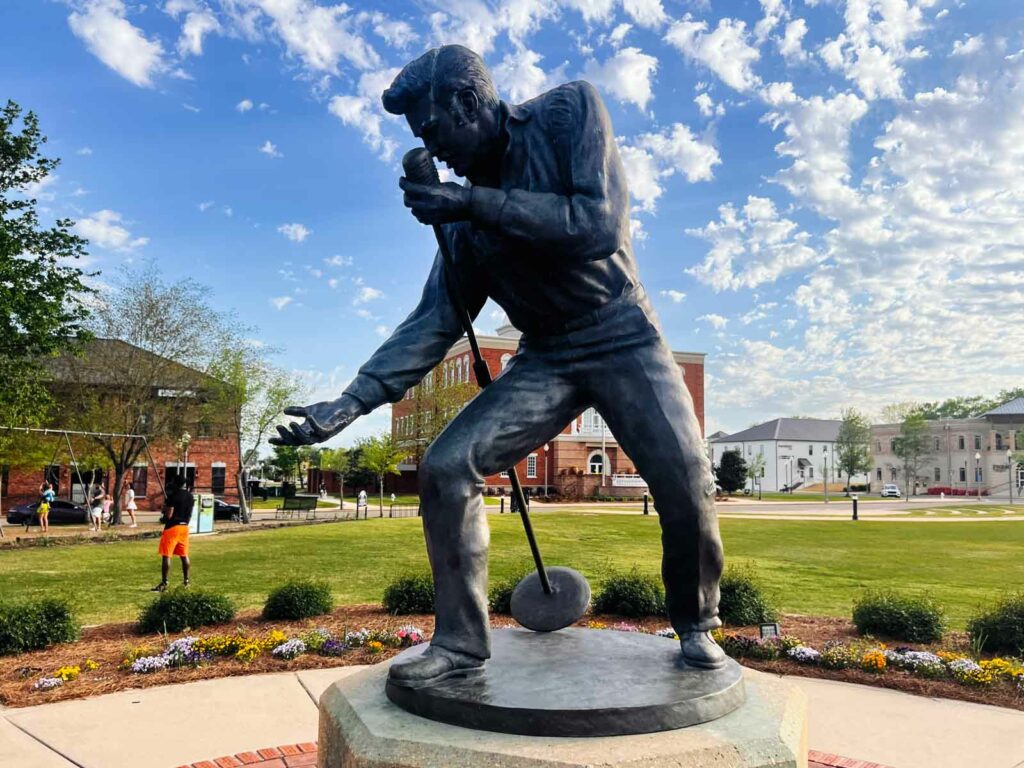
828	195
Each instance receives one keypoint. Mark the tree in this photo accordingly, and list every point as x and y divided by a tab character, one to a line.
895	413
432	410
380	455
145	374
286	460
911	446
853	445
337	461
731	472
43	296
254	394
755	470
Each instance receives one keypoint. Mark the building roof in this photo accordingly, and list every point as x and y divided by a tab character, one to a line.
1014	407
820	430
109	363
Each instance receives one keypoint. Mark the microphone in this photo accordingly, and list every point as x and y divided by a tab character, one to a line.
419	167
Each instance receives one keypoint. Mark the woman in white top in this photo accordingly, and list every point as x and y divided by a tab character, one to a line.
129	504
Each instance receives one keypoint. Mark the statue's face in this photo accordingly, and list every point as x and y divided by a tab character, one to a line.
457	143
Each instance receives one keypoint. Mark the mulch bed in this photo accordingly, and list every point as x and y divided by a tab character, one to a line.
107	644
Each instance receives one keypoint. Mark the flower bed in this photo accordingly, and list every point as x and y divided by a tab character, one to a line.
114	657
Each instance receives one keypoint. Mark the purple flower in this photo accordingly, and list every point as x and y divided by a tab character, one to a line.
47	683
333	648
289	650
144	665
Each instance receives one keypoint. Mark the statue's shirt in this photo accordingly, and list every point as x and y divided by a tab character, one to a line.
551	246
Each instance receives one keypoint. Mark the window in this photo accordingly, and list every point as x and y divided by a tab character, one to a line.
503	474
52	476
892	444
218	481
810	472
977	442
936	448
465	369
878	473
140	477
504	360
978	474
878	448
531	465
938	475
892	473
810	450
963	472
960	442
595	464
999	441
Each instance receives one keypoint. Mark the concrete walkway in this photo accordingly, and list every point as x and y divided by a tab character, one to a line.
182	724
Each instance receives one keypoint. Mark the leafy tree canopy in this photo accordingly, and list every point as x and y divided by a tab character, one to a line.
731	472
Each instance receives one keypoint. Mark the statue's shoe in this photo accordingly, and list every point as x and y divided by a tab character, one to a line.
700	650
432	666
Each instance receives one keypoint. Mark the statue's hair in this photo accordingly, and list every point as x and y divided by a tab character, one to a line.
443	72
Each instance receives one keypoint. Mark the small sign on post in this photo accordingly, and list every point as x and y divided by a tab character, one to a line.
770	630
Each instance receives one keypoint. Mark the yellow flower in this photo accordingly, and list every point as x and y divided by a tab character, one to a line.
597	625
375	646
873	661
90	665
67	673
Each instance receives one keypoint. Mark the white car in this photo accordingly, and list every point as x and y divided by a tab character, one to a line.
890	490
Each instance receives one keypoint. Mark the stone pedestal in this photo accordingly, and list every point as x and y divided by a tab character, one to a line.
360	728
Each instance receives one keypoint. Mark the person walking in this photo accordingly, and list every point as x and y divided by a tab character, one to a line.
96	507
177	514
129	504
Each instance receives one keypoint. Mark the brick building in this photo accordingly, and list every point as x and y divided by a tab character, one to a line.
584	460
209	464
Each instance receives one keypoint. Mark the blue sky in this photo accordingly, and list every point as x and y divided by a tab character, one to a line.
828	196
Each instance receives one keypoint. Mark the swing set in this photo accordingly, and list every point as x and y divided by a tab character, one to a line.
63	437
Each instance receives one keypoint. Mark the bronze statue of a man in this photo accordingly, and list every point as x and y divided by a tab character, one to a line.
543	229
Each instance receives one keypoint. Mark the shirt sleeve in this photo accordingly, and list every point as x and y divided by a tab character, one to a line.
426	335
591	221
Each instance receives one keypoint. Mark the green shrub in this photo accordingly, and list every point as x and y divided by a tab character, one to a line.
179	609
410	594
299	599
743	600
1000	630
499	597
912	618
29	625
631	594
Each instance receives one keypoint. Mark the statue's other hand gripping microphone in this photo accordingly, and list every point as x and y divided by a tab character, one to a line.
430	201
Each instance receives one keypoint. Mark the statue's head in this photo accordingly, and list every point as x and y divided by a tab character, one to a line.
450	103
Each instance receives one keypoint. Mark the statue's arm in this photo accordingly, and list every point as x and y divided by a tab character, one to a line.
592	221
423	338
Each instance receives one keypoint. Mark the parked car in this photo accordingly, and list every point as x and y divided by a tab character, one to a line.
890	491
224	511
61	511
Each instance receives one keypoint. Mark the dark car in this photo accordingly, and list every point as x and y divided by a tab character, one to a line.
224	511
61	511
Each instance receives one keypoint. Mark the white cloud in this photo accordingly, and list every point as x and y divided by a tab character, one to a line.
366	294
396	33
968	46
381	330
653	157
270	149
295	232
774	12
593	10
115	41
197	25
244	105
626	75
725	50
707	106
751	247
519	75
190	108
676	296
332	282
363	111
84	151
280	302
337	260
104	228
791	43
715	321
646	13
205	206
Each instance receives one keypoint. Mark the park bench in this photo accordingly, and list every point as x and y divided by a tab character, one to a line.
292	504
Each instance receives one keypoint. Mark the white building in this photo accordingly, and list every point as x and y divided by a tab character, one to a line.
797	452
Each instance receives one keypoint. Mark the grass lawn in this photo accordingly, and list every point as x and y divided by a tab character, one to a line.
812	567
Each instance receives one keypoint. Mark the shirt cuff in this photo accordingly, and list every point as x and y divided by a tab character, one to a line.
485	204
367	390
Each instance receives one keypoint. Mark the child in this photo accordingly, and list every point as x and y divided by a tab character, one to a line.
129	499
108	500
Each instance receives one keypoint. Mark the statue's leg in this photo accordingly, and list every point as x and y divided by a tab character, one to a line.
641	394
527	405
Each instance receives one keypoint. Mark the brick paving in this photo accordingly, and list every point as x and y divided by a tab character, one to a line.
295	755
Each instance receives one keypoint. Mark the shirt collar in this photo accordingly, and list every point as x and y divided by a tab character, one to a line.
517	113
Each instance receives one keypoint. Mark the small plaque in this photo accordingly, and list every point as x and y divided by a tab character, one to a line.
769	630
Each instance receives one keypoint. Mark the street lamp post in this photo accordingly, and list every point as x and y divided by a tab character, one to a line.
824	451
546	447
977	472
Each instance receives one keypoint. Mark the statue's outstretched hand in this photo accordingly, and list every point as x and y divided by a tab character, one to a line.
320	421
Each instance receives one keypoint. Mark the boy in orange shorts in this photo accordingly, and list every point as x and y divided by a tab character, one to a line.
177	514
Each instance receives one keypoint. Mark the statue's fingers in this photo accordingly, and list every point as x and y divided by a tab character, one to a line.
301	434
284	437
295	410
